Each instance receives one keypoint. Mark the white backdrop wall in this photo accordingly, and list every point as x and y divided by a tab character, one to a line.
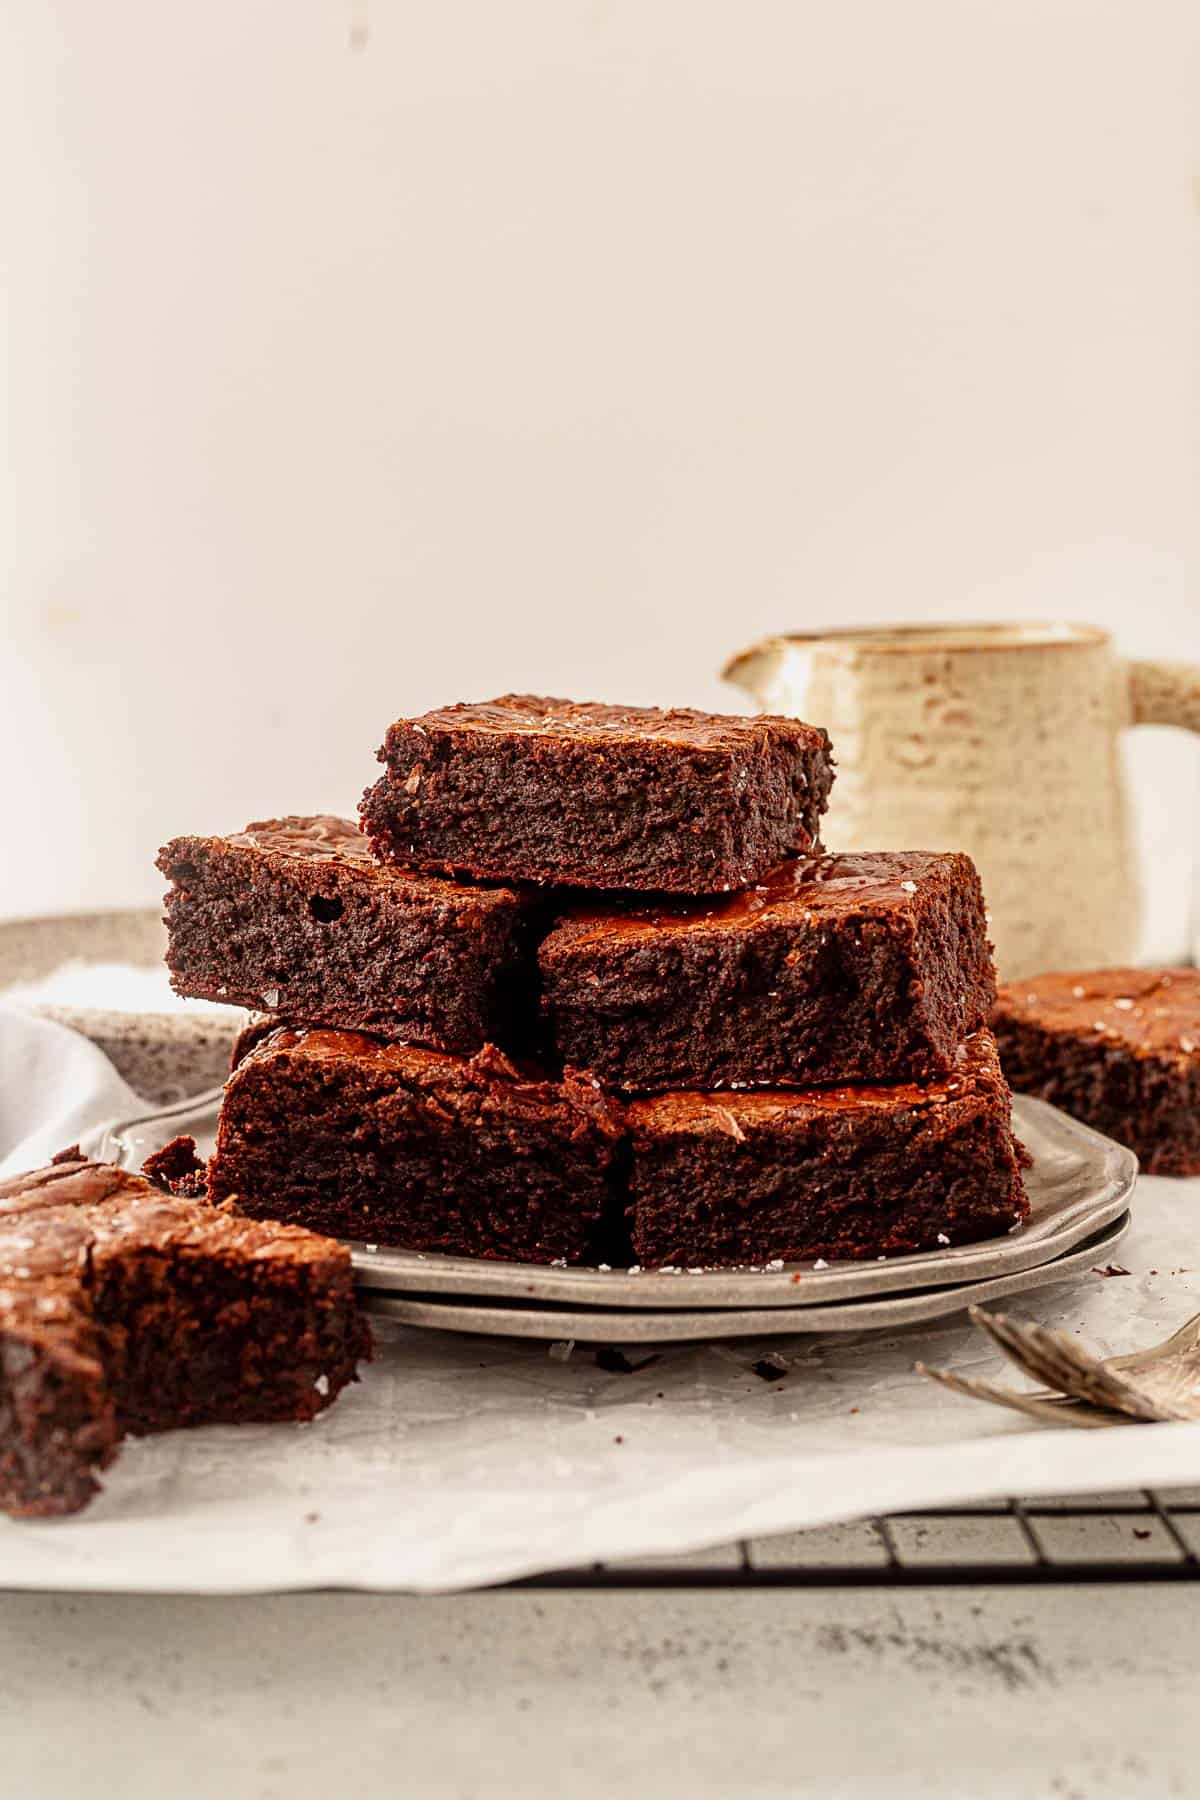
558	344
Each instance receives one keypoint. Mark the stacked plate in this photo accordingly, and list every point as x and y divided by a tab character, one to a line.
1079	1186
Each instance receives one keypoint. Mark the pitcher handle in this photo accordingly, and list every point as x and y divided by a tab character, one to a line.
1165	693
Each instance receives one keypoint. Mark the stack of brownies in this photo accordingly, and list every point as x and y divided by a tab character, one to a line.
589	991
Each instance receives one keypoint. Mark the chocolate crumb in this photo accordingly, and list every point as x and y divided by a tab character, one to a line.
1112	1269
177	1168
767	1368
615	1362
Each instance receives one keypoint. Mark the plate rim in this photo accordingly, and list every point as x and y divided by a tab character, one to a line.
675	1326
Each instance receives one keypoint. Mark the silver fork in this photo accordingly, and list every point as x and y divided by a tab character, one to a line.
1160	1383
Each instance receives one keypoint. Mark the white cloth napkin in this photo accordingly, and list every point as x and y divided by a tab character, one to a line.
56	1087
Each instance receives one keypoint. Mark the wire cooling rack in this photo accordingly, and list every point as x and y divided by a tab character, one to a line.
1143	1536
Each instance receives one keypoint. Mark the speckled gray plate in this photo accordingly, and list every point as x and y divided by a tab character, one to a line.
1079	1184
164	1056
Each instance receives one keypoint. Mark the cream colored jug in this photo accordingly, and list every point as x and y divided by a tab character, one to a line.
1001	740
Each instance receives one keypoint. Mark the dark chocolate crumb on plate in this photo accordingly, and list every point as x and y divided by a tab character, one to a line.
615	1362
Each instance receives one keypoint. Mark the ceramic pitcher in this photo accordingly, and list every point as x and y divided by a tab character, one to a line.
1001	740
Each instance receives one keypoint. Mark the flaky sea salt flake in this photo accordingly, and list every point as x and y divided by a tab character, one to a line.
728	1124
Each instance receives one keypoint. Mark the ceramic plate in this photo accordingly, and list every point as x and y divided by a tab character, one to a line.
624	1325
627	1325
1079	1183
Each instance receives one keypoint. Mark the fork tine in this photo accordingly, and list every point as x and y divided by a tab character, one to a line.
1007	1337
1069	1366
1169	1370
1054	1357
1051	1412
1086	1376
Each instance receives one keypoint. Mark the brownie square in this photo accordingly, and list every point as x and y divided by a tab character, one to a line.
838	1172
295	917
399	1145
836	968
543	790
1118	1049
125	1309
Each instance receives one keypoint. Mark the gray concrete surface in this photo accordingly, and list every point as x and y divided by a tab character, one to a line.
1074	1694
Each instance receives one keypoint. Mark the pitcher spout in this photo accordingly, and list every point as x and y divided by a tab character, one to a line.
756	670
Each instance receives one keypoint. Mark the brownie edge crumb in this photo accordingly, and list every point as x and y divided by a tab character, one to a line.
178	1169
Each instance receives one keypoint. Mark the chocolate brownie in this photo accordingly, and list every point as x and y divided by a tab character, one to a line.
405	1146
835	968
826	1172
124	1309
294	916
1117	1048
527	788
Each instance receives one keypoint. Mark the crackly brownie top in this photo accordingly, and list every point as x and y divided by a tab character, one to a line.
45	1236
595	722
68	1181
734	1112
54	1218
319	838
808	889
453	1081
1148	1012
44	1241
324	838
